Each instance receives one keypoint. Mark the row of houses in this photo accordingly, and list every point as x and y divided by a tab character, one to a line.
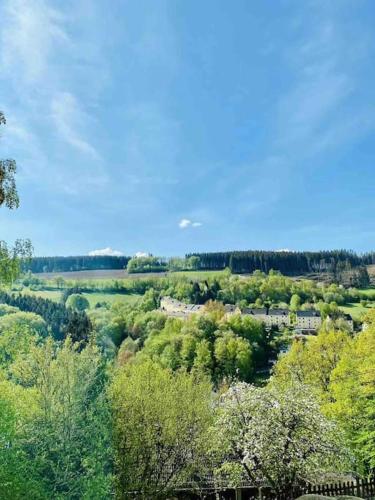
305	321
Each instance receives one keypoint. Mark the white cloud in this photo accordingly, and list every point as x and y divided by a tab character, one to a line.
69	119
141	254
184	223
106	251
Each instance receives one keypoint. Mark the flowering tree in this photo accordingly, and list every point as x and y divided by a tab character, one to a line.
274	437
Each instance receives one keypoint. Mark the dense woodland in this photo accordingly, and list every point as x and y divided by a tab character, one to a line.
292	263
341	266
78	263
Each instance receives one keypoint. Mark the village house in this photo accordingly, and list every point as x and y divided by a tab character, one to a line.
310	320
259	314
278	317
306	321
176	309
349	321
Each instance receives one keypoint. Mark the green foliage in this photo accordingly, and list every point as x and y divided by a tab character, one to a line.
68	438
146	265
10	258
160	421
223	348
353	392
77	302
8	169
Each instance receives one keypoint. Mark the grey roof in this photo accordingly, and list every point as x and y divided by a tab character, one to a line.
308	314
254	312
278	312
230	308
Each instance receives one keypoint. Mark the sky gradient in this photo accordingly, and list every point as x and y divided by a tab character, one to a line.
177	126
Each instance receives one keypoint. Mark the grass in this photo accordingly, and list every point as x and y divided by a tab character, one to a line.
197	274
54	295
368	292
356	310
93	297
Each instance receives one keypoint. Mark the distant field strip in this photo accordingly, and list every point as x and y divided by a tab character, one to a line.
105	274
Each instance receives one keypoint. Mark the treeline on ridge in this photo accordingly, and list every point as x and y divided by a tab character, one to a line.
75	263
287	262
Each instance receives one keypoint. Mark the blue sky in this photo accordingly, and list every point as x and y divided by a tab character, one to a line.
177	126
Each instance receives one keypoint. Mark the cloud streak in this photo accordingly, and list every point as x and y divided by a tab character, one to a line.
69	119
185	223
105	251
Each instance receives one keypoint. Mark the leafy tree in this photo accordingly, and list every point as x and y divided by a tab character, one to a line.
77	302
353	393
19	475
312	362
275	436
295	302
69	437
8	168
160	420
146	265
233	356
16	340
10	256
5	309
18	320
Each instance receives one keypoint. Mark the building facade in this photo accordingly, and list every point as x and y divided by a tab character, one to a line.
308	320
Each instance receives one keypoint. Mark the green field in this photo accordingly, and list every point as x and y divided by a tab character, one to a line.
356	310
54	295
197	274
368	292
93	297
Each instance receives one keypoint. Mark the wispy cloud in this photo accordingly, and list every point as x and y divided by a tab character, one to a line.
39	51
32	31
141	254
69	120
184	223
106	251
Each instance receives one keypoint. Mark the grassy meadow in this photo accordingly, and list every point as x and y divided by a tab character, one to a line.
93	297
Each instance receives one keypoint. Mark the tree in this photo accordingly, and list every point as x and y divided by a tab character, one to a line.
10	256
15	341
353	394
68	437
19	475
160	419
8	189
274	436
312	362
295	302
233	357
77	302
18	320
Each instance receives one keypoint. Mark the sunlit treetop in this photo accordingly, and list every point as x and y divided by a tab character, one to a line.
8	189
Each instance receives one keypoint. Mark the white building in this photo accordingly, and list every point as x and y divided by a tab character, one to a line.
308	320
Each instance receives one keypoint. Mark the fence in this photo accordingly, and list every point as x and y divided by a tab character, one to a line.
362	488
